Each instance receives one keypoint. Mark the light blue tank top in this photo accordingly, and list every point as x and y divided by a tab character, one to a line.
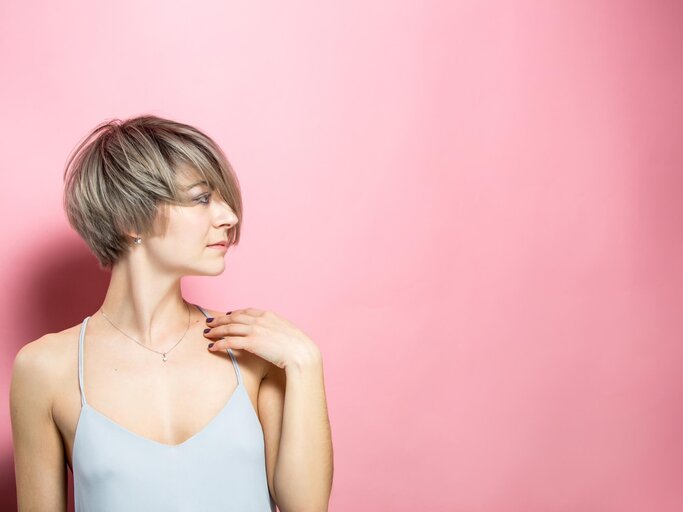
220	468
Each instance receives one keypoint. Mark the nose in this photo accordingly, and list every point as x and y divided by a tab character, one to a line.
224	214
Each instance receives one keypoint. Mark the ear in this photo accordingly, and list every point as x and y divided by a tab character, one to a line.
132	235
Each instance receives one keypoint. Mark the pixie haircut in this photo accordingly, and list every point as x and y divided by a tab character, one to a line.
124	173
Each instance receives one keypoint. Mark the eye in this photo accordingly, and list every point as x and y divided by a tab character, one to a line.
204	198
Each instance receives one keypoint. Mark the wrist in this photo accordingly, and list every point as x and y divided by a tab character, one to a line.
305	360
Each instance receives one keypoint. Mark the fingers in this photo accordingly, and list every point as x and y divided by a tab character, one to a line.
231	330
220	330
237	316
228	342
212	322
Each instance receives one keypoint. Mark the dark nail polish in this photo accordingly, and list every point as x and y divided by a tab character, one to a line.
228	312
210	345
206	330
209	319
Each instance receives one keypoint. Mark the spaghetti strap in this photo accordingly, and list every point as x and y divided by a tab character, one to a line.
237	368
232	356
80	359
120	470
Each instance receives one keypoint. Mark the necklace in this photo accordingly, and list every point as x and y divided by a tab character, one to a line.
163	354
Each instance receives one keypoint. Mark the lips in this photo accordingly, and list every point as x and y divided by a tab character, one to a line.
224	244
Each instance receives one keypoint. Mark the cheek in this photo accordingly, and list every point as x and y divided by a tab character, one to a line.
189	228
187	233
189	238
189	220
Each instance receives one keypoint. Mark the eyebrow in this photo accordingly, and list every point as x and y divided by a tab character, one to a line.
201	182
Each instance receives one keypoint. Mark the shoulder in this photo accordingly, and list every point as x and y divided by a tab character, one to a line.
44	353
245	358
39	366
36	438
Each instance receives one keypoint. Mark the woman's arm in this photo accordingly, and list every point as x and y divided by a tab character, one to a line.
292	405
39	464
303	469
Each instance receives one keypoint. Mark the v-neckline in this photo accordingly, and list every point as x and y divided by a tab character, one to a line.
146	439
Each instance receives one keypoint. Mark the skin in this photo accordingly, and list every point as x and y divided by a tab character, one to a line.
280	365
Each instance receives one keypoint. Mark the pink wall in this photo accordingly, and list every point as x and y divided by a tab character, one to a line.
473	208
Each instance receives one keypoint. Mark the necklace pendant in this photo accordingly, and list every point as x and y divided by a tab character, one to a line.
163	358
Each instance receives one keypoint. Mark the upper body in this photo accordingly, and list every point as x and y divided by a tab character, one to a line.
156	200
129	385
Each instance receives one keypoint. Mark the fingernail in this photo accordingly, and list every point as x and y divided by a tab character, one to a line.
209	319
228	312
210	345
206	330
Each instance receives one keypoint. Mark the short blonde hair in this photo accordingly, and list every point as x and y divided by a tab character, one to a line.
123	171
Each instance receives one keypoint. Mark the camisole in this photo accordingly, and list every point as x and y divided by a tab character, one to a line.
220	468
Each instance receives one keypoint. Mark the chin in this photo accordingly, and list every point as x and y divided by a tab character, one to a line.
213	270
217	272
205	268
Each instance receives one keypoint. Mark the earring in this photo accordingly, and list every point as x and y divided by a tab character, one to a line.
137	240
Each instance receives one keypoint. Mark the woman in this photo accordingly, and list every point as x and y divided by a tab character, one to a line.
153	402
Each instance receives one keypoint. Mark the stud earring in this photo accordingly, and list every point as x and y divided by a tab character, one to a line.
137	240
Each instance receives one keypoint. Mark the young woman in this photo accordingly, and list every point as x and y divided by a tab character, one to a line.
157	404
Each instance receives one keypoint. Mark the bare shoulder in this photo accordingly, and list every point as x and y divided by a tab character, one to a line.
37	374
40	364
48	349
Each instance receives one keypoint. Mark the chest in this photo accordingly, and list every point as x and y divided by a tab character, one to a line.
155	404
116	469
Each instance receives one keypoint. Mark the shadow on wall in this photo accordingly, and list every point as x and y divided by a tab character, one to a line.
64	288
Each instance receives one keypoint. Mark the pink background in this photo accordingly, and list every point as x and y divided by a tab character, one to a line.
473	208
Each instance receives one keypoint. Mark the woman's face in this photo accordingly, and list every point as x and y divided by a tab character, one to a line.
202	220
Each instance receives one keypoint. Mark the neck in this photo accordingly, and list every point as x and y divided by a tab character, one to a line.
148	306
